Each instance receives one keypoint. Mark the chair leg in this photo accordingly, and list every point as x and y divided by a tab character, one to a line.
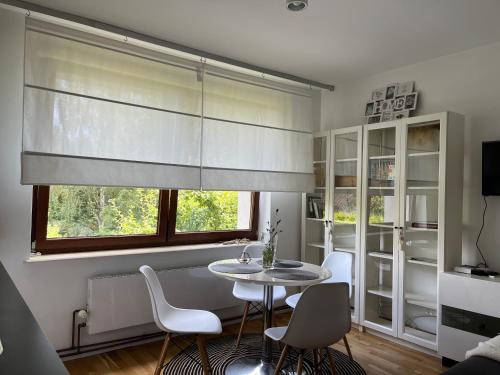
331	361
243	320
163	354
300	364
346	343
281	361
200	340
316	361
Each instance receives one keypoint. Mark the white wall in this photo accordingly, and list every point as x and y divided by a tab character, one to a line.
54	289
467	82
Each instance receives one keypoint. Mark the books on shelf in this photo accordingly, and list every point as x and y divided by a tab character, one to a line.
315	207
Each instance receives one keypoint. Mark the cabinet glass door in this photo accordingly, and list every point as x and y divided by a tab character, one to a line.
419	236
316	203
346	198
381	209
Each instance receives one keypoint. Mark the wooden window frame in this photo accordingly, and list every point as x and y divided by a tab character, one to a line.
165	236
181	238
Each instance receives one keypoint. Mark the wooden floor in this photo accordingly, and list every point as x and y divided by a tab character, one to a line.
376	355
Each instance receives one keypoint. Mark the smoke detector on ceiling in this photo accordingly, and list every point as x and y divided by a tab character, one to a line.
296	5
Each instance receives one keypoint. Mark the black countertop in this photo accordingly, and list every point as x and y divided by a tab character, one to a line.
26	350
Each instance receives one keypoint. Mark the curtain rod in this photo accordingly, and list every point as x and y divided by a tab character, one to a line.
158	41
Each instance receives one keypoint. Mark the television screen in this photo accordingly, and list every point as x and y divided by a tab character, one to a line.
491	168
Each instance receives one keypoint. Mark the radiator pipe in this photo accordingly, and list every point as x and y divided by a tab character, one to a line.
77	349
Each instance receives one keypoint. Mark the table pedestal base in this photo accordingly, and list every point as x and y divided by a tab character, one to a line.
250	366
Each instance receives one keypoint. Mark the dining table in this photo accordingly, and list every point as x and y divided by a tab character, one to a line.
283	273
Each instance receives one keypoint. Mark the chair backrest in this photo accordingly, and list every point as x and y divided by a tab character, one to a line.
340	265
321	318
161	307
255	251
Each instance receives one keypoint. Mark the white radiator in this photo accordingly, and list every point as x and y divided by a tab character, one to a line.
120	301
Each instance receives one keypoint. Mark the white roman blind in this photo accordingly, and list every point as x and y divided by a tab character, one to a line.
98	111
257	135
98	114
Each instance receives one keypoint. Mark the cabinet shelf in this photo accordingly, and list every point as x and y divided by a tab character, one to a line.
381	254
381	290
381	225
418	154
314	219
346	249
422	187
422	261
382	157
346	160
381	187
431	338
421	300
319	245
414	229
345	187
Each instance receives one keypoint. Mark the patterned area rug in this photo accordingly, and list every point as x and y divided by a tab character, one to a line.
222	352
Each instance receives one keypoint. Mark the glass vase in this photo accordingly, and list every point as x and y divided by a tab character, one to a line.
269	253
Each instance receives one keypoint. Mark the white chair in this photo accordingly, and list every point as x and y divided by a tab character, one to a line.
322	318
340	265
253	294
174	320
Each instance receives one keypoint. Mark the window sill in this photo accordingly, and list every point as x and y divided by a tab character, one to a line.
139	251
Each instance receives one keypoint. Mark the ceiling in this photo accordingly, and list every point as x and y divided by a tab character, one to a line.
331	41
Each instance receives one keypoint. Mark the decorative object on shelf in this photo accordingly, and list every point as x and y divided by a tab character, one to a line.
393	102
244	258
269	252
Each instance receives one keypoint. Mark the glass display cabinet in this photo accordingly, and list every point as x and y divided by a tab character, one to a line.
346	197
315	206
412	222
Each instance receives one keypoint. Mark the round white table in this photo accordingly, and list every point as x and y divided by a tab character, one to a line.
264	365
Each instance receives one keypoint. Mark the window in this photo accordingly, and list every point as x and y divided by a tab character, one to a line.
87	218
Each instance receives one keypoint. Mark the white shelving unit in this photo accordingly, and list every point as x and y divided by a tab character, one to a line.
411	222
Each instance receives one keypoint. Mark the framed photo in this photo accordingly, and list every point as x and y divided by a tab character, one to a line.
390	91
386	116
399	103
386	105
378	94
411	101
369	108
405	88
400	114
377	109
373	119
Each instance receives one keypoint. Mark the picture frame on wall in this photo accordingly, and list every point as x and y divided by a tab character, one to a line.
369	108
386	105
399	103
400	114
373	119
392	102
411	101
405	88
390	91
386	116
377	108
378	94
